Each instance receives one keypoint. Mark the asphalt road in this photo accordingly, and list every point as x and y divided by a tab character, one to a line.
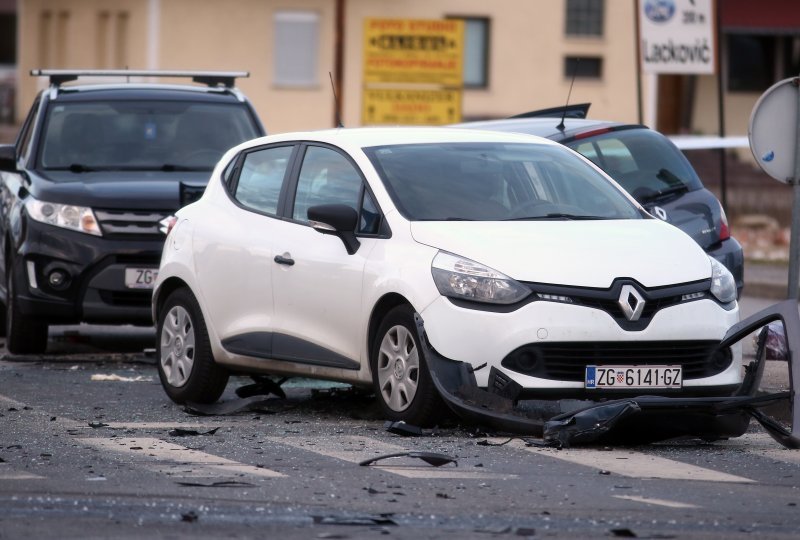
88	458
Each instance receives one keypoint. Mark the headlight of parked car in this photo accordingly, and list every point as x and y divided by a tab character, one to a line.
723	286
459	277
76	218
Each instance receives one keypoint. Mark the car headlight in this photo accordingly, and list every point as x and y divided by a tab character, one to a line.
459	277
76	218
723	286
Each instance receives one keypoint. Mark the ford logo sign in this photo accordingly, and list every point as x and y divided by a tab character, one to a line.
659	11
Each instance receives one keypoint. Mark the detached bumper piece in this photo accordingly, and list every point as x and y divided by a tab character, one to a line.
636	420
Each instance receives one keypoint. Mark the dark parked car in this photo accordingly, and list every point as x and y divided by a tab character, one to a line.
647	165
94	170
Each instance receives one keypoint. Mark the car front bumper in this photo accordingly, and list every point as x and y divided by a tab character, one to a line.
483	339
95	290
640	419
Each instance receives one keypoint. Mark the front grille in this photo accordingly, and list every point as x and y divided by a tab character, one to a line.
130	222
568	361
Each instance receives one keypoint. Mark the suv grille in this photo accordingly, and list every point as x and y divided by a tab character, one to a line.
130	222
568	361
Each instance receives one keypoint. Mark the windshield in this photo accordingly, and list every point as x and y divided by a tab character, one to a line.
142	135
643	161
494	181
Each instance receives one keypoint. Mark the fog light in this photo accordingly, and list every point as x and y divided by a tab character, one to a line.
58	279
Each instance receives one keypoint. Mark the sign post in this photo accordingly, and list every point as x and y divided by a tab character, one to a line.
774	134
413	71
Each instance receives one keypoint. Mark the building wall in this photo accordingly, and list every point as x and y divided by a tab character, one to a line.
526	64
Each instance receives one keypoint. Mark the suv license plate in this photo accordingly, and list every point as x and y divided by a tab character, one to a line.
140	278
605	377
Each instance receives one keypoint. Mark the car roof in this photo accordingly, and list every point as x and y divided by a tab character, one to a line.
137	91
379	136
545	127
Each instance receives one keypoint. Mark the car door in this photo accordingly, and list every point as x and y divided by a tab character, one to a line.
317	286
233	246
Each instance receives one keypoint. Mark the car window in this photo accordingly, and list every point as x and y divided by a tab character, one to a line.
260	180
142	135
643	161
326	177
495	182
370	219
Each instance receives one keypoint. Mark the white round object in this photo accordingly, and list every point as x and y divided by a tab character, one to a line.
773	130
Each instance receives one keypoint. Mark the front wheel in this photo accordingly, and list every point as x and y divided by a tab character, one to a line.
186	365
400	373
24	334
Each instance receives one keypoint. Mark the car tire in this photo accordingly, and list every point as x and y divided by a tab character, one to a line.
400	375
186	365
24	334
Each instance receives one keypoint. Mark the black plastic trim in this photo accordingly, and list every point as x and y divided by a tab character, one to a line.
275	346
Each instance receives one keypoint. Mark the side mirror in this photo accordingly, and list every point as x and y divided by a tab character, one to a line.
336	219
8	157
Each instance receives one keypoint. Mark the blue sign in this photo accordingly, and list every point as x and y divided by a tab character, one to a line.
659	11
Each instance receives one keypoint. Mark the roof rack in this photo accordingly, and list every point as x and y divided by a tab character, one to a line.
210	78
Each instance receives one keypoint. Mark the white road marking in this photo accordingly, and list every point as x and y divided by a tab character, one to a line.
181	460
11	474
658	502
632	464
355	449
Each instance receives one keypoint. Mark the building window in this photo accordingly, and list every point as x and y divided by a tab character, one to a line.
584	18
476	52
752	65
588	67
8	39
296	48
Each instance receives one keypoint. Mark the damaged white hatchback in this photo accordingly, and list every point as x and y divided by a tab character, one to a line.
352	254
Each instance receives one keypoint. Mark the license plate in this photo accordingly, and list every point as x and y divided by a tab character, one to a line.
140	278
634	377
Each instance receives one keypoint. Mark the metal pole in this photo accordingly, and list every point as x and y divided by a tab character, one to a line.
723	167
638	61
794	243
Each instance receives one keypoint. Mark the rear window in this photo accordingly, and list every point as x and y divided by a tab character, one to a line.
643	161
142	135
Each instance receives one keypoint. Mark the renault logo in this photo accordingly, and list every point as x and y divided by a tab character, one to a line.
631	302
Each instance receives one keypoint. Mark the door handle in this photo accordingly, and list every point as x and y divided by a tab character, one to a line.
284	259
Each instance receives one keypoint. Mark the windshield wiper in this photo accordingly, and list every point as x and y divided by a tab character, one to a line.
558	215
663	193
79	168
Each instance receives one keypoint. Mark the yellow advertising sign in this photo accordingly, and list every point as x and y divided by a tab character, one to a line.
413	51
411	107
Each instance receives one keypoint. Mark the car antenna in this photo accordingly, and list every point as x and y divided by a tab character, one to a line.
560	126
336	103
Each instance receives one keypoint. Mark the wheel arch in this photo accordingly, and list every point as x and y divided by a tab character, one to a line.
169	286
384	305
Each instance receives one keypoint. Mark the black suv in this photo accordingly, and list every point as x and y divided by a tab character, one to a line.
647	165
93	172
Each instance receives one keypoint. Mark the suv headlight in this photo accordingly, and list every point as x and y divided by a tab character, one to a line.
76	218
459	277
723	286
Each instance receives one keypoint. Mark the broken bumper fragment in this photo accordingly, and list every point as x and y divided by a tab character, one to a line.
634	420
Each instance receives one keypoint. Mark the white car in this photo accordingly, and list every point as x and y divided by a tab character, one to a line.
347	254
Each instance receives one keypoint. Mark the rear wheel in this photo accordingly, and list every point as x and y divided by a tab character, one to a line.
186	365
400	373
24	334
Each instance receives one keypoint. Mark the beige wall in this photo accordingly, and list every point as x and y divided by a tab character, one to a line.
526	65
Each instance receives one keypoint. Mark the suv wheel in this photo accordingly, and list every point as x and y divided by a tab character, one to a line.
400	374
186	365
24	334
